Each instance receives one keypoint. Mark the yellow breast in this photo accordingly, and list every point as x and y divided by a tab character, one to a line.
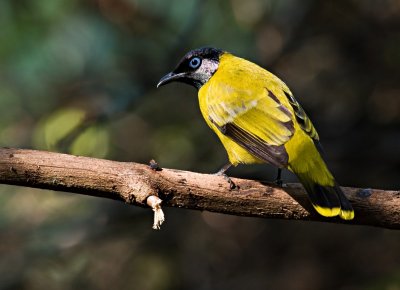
227	73
236	153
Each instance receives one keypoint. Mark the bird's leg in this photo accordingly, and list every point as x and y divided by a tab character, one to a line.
222	173
224	169
278	180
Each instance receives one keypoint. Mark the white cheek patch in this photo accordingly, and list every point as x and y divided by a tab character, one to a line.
207	68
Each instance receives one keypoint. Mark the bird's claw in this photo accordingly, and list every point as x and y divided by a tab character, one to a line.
232	185
279	182
154	165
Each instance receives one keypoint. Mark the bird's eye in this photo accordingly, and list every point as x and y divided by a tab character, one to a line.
195	62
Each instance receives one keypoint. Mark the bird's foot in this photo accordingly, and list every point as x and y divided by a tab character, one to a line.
232	185
278	181
222	173
154	165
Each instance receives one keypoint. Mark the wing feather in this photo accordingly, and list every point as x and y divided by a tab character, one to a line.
302	118
254	119
275	155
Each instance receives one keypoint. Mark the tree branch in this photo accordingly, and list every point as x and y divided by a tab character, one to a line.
133	183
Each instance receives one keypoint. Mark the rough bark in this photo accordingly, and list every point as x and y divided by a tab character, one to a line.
133	183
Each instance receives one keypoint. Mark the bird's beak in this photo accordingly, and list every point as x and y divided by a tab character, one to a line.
169	78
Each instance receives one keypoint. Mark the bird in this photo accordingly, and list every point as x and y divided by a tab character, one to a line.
258	120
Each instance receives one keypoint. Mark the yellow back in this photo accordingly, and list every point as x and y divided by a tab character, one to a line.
250	97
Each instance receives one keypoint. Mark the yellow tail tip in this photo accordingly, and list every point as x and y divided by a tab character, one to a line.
327	212
335	211
347	214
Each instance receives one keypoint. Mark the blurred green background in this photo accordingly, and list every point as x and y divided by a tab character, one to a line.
79	77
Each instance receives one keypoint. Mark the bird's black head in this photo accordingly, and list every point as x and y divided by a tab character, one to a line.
195	68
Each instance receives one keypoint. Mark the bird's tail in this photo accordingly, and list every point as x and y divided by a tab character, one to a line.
328	201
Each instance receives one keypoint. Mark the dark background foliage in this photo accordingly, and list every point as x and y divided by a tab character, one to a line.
79	77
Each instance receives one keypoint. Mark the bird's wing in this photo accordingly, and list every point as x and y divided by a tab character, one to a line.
255	119
302	118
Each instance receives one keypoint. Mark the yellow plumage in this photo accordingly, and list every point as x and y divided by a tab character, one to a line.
241	96
224	99
258	120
